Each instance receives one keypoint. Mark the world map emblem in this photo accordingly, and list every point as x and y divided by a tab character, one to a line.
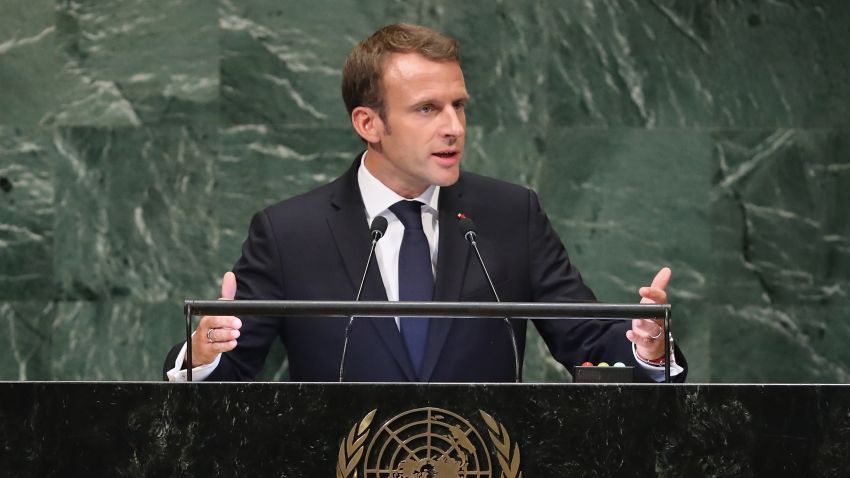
427	443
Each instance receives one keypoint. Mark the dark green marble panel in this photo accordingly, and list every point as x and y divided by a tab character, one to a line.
145	63
658	63
107	64
26	214
105	340
282	62
31	66
667	63
781	245
135	217
112	340
28	345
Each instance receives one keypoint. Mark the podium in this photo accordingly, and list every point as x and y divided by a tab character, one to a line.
301	430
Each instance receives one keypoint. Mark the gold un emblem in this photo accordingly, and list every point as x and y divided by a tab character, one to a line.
426	443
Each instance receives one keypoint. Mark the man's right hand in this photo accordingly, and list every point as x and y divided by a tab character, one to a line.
216	333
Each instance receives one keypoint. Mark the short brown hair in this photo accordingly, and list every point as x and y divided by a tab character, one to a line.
364	67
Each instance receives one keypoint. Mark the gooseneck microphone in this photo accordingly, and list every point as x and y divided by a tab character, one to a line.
467	227
376	232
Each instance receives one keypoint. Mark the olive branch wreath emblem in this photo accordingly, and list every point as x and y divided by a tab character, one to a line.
508	460
351	448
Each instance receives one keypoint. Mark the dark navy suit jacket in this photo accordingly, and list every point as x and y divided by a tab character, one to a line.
314	247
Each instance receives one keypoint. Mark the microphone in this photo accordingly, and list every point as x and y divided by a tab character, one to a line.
376	232
467	227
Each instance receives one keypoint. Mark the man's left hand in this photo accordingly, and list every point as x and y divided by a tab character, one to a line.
648	335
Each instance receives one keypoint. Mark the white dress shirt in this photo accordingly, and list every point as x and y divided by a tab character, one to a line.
378	198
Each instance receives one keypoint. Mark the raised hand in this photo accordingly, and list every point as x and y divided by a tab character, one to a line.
216	334
648	335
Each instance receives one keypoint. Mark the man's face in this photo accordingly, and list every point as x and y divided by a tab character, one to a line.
421	140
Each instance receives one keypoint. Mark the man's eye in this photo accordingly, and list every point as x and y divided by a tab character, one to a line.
426	109
459	105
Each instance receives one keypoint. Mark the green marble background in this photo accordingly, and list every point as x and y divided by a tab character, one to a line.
137	137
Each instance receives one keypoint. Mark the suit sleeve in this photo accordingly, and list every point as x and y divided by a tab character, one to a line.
259	276
555	279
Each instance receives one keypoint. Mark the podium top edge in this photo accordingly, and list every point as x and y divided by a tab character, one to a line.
519	310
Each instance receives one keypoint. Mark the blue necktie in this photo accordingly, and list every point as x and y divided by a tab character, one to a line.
415	278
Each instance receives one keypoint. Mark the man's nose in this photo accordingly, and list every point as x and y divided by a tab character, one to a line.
453	124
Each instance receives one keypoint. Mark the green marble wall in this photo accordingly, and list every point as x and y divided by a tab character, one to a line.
136	139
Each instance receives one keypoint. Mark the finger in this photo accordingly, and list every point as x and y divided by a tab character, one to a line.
228	286
662	278
647	325
634	338
648	351
221	347
219	322
643	339
652	295
222	335
205	351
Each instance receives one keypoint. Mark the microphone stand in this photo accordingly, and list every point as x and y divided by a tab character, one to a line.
470	237
378	229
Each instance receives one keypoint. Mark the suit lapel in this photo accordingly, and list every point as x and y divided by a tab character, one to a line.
350	231
452	260
348	224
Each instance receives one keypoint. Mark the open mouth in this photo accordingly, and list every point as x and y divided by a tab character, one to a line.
446	154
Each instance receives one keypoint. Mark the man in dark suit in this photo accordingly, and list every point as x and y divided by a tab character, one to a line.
405	92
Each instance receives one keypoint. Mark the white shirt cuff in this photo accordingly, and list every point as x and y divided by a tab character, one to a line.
199	373
657	372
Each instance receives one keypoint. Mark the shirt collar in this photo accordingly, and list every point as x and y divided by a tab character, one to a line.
377	197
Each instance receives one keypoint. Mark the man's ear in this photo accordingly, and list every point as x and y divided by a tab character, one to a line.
368	124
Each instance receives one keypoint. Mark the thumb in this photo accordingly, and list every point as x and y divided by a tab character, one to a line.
662	278
228	286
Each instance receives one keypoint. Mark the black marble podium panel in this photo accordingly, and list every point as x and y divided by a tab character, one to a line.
295	430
